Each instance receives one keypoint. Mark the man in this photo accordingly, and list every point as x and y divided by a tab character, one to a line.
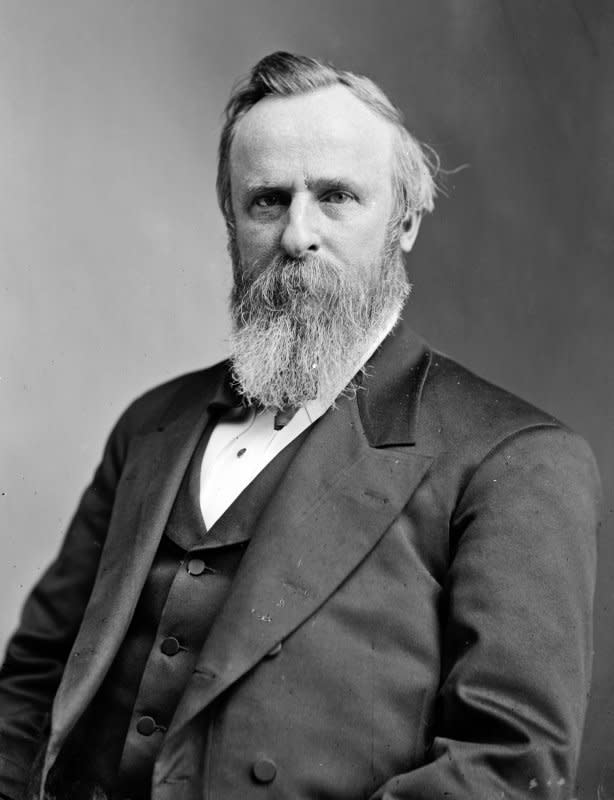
338	565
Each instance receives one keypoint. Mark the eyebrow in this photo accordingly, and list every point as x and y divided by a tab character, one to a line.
262	186
333	183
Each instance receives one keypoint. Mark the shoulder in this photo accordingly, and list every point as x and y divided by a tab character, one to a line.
456	396
166	401
465	414
466	418
173	396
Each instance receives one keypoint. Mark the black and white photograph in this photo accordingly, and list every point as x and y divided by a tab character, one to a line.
307	400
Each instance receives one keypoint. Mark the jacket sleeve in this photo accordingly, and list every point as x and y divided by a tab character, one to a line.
36	653
517	638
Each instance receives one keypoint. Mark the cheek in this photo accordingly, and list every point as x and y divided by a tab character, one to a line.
251	236
363	244
254	243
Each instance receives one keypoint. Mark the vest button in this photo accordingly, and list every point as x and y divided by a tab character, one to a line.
264	770
196	566
170	646
146	726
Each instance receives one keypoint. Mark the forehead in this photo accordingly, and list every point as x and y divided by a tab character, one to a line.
328	130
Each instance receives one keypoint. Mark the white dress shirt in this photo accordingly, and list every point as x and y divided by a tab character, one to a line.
238	450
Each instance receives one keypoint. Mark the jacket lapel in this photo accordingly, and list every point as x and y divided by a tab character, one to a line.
153	471
336	501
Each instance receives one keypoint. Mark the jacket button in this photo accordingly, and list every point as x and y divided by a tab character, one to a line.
274	651
170	646
196	566
264	770
146	726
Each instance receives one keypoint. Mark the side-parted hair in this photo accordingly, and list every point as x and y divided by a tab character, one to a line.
283	75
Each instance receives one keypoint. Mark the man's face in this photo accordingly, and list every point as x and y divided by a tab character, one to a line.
312	174
318	267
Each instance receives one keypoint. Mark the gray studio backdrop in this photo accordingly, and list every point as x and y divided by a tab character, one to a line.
112	252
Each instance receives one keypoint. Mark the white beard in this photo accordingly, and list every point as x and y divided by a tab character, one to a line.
300	324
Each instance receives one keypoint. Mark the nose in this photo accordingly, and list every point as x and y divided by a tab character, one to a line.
300	234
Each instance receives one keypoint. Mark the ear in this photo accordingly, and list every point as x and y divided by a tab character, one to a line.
409	230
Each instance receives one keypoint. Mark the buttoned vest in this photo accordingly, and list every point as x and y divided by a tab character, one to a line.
111	751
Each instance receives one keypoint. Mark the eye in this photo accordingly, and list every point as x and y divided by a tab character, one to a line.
338	197
268	200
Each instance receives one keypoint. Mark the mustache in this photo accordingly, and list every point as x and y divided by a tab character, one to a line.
285	281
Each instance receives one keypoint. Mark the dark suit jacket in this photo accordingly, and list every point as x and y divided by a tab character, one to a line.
427	566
